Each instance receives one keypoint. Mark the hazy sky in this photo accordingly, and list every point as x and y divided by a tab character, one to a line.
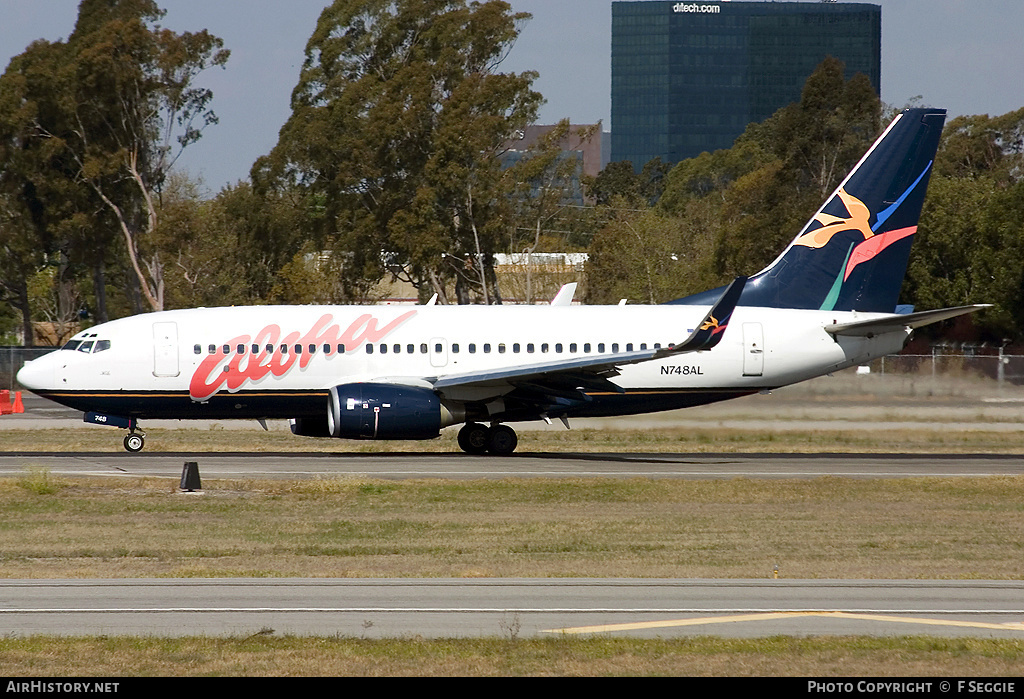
964	55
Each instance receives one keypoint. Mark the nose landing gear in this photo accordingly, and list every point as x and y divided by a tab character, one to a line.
133	441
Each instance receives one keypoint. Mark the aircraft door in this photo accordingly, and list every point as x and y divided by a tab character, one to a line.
753	349
438	352
165	349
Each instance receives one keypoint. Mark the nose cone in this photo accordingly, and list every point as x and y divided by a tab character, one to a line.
37	375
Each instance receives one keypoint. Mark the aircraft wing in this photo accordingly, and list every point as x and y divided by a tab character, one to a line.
593	371
893	323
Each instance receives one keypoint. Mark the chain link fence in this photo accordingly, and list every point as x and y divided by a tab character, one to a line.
13	358
1004	369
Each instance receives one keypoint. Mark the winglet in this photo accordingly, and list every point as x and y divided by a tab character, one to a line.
564	295
710	330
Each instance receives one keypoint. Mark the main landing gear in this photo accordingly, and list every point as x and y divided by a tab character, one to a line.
499	440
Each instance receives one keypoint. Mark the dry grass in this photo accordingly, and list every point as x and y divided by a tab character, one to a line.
914	657
822	528
701	439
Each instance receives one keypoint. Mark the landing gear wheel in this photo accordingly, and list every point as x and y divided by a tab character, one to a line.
502	440
134	442
473	438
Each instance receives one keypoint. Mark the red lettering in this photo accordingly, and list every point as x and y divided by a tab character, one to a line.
217	371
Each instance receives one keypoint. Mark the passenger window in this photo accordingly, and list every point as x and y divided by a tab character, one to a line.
472	348
629	347
212	349
397	349
341	349
643	345
487	348
586	346
558	347
411	349
515	347
572	347
255	349
615	347
501	348
544	347
529	347
383	349
369	349
455	348
600	347
226	349
423	348
240	349
438	347
312	349
284	349
298	349
198	349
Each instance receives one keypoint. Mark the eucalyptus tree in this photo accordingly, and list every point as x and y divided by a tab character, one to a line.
398	121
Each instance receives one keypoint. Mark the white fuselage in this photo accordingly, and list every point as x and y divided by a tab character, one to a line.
279	361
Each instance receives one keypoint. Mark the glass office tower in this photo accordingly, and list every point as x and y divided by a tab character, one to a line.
688	77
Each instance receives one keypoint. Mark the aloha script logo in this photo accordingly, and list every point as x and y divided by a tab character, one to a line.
232	371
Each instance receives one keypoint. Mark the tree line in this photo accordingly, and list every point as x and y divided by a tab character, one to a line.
680	230
394	164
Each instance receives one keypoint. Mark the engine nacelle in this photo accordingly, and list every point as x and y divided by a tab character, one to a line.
310	426
385	411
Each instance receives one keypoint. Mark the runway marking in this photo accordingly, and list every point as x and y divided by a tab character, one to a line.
736	618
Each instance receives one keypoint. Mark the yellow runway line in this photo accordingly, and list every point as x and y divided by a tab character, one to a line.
699	621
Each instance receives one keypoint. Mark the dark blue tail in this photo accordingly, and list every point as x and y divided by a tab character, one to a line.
852	255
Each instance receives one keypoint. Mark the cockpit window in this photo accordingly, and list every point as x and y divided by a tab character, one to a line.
71	345
101	345
86	347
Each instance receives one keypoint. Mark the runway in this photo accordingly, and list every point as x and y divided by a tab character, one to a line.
511	607
430	608
521	465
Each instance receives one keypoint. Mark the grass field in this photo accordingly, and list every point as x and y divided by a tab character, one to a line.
823	528
977	439
593	657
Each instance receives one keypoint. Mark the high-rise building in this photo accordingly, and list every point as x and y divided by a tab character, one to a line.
688	77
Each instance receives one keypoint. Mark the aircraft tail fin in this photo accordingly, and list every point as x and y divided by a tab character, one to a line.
852	255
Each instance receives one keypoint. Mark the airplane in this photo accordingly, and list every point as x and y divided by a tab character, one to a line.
828	302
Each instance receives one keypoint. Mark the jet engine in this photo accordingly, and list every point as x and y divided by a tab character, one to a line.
386	411
310	426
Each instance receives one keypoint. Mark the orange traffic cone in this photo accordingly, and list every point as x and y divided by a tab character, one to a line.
18	407
5	402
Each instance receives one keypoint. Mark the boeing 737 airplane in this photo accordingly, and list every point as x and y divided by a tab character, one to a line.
391	372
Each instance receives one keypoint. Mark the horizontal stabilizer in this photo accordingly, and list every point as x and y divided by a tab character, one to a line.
894	323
